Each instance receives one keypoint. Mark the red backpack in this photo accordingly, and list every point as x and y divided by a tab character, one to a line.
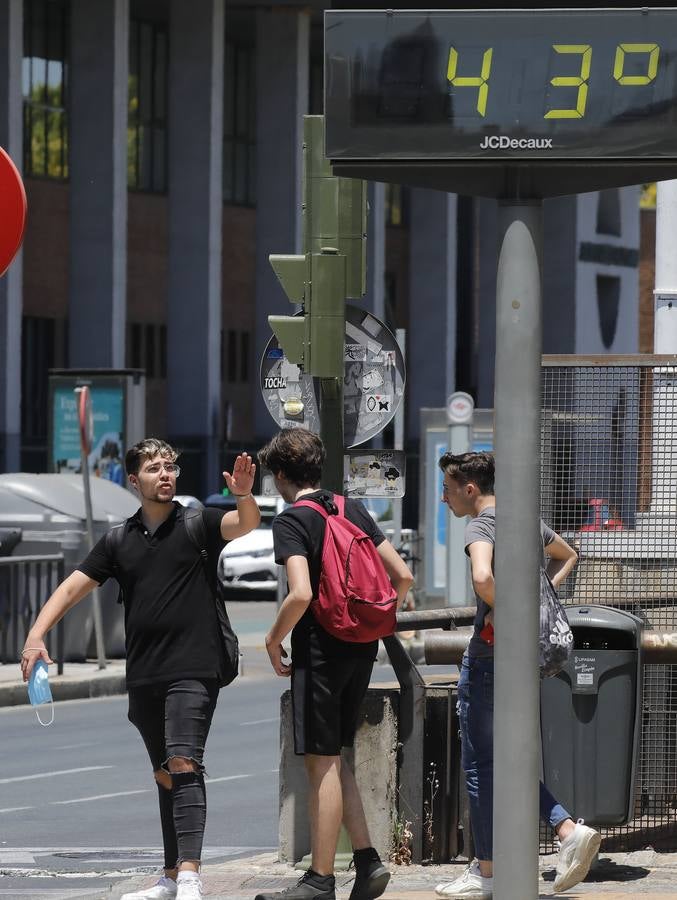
356	601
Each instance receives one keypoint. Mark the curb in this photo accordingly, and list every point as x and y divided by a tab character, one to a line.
69	689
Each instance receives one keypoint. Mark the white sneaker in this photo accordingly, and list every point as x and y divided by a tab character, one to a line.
164	889
575	856
189	888
470	884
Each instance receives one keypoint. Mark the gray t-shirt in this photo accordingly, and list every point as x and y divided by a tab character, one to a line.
483	528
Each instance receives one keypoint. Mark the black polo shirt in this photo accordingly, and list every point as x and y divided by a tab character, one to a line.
171	628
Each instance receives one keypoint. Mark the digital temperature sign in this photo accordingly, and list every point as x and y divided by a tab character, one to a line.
501	84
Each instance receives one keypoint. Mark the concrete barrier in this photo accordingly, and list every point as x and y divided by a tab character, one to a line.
374	758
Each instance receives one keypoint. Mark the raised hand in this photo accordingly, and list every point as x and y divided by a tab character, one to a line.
242	479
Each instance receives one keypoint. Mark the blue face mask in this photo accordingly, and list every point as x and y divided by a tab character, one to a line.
39	691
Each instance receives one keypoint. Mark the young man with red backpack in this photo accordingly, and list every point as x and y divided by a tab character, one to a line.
345	584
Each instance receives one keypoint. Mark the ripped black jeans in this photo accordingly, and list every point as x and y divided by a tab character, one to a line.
174	719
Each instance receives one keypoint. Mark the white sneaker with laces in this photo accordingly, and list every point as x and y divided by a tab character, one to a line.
164	889
189	887
575	856
470	884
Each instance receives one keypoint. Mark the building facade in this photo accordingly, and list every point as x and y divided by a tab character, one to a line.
160	145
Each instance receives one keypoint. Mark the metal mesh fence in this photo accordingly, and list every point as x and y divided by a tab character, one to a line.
609	487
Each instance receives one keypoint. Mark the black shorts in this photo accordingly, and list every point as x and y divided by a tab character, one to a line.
326	699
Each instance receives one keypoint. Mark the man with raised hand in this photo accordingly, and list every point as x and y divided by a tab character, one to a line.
176	657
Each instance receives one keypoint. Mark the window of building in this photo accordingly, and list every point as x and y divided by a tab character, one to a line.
235	355
316	87
40	352
244	356
147	116
396	203
231	358
608	304
609	212
147	348
45	88
239	125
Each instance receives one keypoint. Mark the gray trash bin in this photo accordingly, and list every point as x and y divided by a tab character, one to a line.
591	717
50	509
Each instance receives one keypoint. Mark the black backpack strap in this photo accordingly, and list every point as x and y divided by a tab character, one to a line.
114	539
197	532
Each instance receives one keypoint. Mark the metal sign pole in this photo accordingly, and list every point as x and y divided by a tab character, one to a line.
401	337
518	436
85	416
460	408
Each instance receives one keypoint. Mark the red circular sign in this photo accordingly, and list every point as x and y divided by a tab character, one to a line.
12	211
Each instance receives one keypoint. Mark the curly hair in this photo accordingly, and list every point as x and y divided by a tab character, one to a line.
147	449
476	467
295	453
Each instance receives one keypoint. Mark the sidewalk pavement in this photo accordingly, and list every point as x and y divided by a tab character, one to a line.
83	680
647	874
79	681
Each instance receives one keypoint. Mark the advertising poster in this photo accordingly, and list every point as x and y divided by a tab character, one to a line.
108	412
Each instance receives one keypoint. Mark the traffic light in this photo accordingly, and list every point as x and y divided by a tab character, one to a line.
332	267
292	331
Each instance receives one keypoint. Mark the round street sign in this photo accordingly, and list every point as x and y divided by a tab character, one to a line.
12	211
460	408
373	382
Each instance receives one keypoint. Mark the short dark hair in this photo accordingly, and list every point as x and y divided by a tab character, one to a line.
147	449
476	467
295	453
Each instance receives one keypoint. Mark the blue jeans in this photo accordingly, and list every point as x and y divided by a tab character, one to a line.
476	719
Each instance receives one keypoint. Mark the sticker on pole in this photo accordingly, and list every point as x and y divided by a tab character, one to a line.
373	382
374	473
12	211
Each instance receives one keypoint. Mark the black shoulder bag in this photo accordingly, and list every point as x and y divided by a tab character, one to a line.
195	526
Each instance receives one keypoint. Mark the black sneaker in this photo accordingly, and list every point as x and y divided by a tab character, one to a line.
370	881
306	889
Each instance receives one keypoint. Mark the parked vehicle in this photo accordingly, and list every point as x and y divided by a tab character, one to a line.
247	565
188	501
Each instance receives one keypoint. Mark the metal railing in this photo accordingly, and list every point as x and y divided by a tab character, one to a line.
26	583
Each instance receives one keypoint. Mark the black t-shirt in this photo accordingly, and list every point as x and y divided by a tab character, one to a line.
299	531
171	627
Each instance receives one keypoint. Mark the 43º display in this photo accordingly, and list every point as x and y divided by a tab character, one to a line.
574	83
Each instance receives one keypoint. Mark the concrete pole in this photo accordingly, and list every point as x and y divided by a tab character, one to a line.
401	336
460	408
516	683
197	37
99	68
11	283
665	293
374	299
663	480
282	47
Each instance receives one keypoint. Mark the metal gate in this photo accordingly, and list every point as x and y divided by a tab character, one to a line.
609	487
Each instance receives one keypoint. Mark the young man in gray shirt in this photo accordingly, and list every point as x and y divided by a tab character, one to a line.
469	491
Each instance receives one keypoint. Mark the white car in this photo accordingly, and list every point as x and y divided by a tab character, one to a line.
247	564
